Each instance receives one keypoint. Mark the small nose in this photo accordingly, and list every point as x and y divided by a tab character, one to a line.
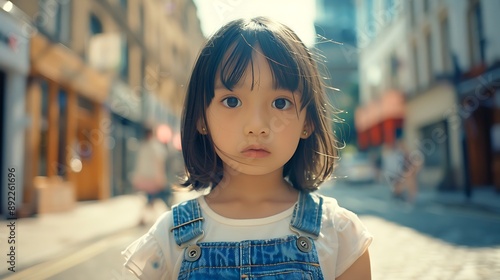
262	131
257	123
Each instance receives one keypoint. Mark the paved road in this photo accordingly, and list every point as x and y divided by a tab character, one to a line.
106	264
96	260
426	241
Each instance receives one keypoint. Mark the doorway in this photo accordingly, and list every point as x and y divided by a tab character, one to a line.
87	180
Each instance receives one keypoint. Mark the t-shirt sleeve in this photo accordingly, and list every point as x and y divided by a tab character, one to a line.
150	256
353	239
144	258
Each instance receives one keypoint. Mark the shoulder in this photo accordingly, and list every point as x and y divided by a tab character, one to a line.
150	256
161	227
344	231
158	236
337	217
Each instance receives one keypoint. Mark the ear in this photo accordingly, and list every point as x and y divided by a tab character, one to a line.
201	127
307	130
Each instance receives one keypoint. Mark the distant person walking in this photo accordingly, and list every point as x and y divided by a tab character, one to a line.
149	174
392	166
411	167
401	171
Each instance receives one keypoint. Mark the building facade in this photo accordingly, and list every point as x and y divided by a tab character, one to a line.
437	55
14	68
99	73
336	45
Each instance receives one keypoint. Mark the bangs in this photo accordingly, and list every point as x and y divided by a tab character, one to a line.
284	68
225	60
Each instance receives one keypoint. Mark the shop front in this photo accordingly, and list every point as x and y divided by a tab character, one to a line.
126	131
69	135
380	121
14	67
479	110
433	131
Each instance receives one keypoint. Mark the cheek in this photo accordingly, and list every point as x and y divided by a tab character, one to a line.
222	125
287	123
222	129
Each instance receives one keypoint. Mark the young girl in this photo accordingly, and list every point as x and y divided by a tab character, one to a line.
256	133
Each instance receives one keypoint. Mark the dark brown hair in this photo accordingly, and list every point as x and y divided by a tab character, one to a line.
227	54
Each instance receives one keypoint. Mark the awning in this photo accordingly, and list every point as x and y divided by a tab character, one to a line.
390	106
63	66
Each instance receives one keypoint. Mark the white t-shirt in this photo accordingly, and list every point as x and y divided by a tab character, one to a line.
342	240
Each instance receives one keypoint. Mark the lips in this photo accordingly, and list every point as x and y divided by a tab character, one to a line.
255	152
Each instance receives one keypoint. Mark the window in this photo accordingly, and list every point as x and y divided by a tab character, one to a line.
124	61
95	25
412	13
62	164
428	49
44	128
124	4
437	157
416	66
394	70
371	27
53	19
445	45
476	37
426	6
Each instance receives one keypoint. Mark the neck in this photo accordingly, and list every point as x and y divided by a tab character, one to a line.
253	188
243	196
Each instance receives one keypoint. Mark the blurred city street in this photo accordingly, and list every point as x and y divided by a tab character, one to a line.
437	238
84	85
88	239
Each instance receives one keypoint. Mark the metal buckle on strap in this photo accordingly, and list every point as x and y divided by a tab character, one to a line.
299	233
193	241
186	223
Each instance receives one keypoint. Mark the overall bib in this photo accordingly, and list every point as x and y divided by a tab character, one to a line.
291	257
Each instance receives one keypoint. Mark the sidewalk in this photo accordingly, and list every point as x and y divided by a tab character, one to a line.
43	237
483	199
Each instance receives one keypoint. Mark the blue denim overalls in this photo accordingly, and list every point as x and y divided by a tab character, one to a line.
290	257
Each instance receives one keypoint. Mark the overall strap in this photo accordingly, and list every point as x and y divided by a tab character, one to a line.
187	221
307	214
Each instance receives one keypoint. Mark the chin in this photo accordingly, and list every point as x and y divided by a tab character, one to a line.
237	168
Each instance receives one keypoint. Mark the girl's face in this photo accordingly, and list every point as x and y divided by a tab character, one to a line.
255	128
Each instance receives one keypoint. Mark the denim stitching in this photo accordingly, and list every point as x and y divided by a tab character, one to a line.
307	265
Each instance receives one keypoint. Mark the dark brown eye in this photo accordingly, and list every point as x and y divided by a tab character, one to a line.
282	103
231	102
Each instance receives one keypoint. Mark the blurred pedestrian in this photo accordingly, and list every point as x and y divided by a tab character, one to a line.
149	174
410	168
392	163
400	171
257	137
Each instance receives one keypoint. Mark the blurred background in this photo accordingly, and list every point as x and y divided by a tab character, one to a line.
416	84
